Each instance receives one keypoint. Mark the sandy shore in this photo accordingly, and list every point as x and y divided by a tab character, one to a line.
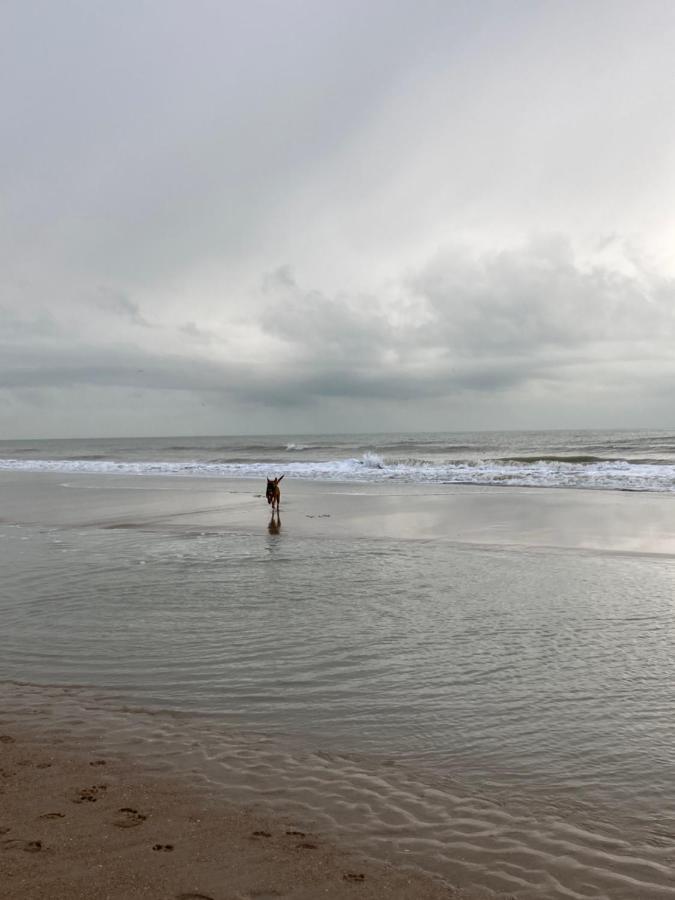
615	521
81	825
84	812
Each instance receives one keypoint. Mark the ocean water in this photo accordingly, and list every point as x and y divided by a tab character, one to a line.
619	460
500	716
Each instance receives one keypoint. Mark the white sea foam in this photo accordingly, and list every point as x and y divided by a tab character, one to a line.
370	467
372	461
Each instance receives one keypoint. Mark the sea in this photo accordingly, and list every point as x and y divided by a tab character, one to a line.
609	460
499	715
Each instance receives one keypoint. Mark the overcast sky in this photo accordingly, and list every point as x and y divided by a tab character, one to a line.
311	215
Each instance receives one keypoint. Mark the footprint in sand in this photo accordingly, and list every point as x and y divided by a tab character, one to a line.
55	815
193	897
6	739
91	794
354	876
5	830
43	766
304	845
97	762
163	847
26	846
129	818
261	834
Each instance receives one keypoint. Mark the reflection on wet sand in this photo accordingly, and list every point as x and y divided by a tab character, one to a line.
274	525
621	522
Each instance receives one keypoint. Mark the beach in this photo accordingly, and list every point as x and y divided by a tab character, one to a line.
77	825
612	521
457	690
412	265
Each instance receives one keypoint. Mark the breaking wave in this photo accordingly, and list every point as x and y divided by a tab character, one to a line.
552	471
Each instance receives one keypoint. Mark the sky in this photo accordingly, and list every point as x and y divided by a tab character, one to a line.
304	216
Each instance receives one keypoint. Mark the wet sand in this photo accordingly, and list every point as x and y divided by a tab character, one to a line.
76	824
74	832
624	522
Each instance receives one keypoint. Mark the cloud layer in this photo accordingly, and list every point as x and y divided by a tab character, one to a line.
295	218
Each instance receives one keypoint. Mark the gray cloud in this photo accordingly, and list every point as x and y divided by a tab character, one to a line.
460	327
34	325
386	165
538	297
481	322
117	303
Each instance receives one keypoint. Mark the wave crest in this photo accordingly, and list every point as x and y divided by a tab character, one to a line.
618	474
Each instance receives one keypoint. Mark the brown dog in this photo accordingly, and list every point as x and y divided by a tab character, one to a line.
273	493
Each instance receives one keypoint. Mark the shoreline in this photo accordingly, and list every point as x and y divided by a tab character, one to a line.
564	518
90	794
79	824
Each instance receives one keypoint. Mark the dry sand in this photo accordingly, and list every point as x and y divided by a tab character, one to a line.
76	826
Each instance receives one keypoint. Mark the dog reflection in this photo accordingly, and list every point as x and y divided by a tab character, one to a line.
274	526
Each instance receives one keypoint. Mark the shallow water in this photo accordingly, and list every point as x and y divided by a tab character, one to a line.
504	717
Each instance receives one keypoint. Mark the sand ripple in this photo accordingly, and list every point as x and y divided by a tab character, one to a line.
491	839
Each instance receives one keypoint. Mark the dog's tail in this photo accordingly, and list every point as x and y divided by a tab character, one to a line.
279	479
